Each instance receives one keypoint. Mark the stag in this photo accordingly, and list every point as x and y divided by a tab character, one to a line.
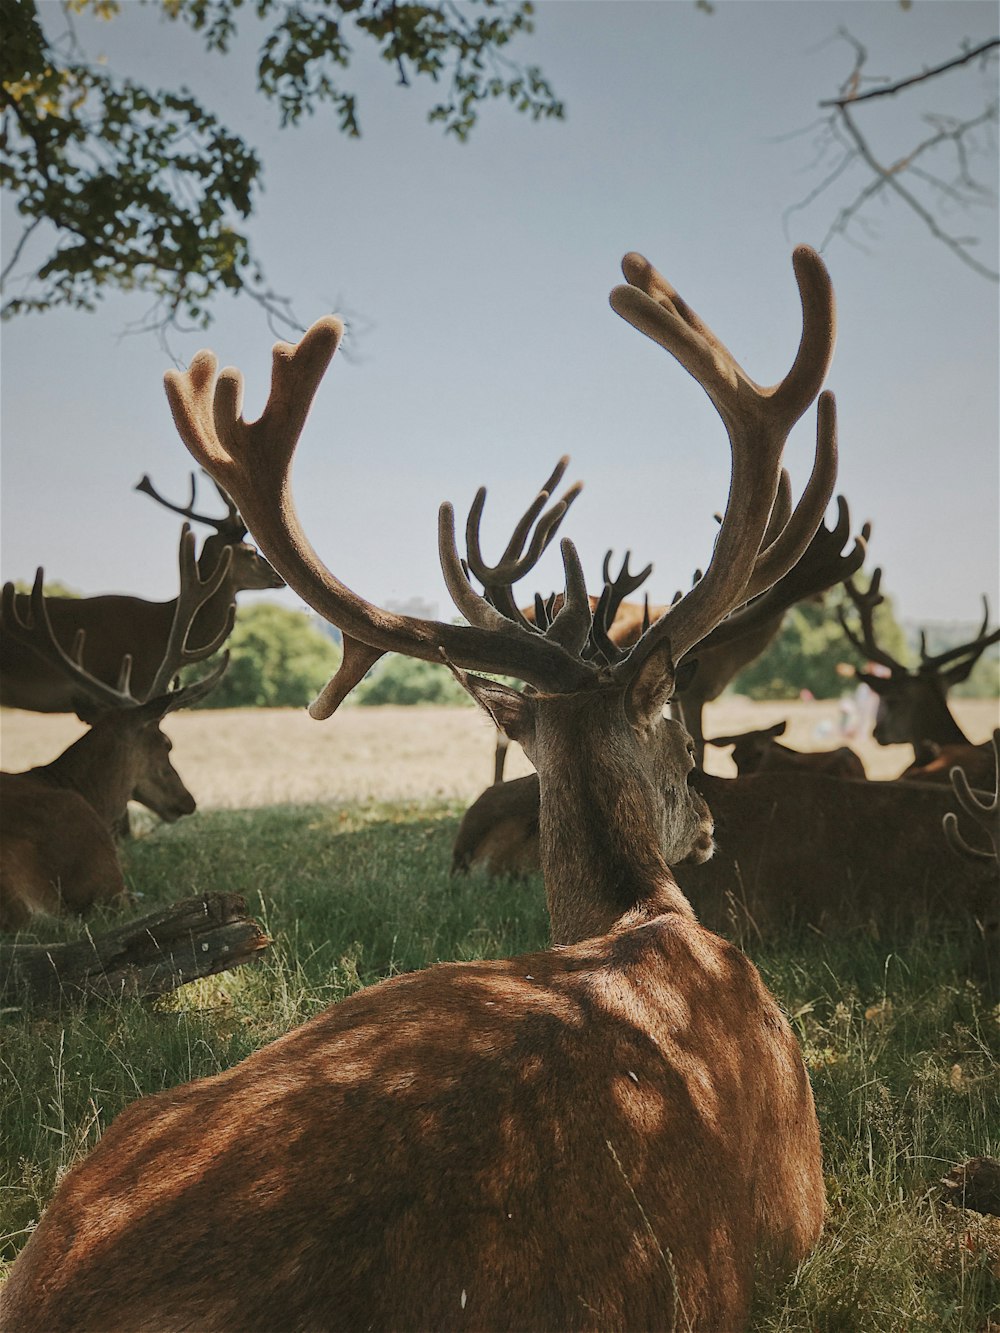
760	752
913	703
59	853
617	1132
118	626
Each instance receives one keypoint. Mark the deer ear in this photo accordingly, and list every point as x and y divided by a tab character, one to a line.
652	686
510	710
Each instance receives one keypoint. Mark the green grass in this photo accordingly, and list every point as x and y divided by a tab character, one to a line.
903	1050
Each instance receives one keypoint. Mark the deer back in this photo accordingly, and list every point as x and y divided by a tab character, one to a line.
517	1109
43	873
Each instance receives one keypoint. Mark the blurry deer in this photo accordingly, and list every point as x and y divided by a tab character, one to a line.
913	705
58	852
118	626
617	1132
791	849
759	752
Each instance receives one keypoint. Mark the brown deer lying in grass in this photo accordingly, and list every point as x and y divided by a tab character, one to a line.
759	752
58	853
874	854
617	1132
913	704
118	626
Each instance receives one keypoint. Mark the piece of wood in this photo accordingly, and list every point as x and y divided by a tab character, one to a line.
149	956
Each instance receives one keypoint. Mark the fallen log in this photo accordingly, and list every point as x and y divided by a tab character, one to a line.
149	956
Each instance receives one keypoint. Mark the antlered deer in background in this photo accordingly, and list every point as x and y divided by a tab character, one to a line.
58	853
912	703
759	752
615	1133
118	626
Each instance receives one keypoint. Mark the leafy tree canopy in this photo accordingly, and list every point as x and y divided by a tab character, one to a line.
277	659
811	651
407	680
146	189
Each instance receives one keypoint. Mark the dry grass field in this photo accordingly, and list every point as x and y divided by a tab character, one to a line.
240	758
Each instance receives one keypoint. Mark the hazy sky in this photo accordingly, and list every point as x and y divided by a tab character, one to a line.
479	276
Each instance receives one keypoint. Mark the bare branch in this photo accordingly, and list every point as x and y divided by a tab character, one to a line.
925	192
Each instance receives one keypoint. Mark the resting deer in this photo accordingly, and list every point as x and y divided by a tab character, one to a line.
873	856
119	626
617	1132
759	752
912	703
58	852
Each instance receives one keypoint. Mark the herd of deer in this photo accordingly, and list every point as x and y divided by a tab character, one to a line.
616	1132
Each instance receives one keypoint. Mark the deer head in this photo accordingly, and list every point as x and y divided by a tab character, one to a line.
248	571
913	708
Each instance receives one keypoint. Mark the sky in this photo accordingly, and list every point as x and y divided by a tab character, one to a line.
477	275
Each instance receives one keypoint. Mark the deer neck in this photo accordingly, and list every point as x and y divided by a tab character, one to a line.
97	767
934	721
212	615
601	821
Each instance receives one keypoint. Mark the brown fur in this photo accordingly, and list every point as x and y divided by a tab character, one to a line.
977	761
759	752
875	854
58	853
42	873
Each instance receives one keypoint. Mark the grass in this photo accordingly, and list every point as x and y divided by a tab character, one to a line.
903	1050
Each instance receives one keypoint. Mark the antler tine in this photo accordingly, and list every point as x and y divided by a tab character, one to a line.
821	567
36	632
613	593
194	592
974	648
186	511
252	461
498	579
865	604
986	813
758	421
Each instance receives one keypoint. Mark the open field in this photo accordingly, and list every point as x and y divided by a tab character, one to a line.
235	759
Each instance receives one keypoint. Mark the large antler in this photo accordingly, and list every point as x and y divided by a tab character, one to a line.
231	527
865	603
252	461
749	556
823	565
35	631
963	655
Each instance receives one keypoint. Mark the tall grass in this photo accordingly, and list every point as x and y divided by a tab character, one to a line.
903	1050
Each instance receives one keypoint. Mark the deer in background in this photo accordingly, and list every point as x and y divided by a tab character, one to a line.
617	1132
118	626
913	704
759	752
59	852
